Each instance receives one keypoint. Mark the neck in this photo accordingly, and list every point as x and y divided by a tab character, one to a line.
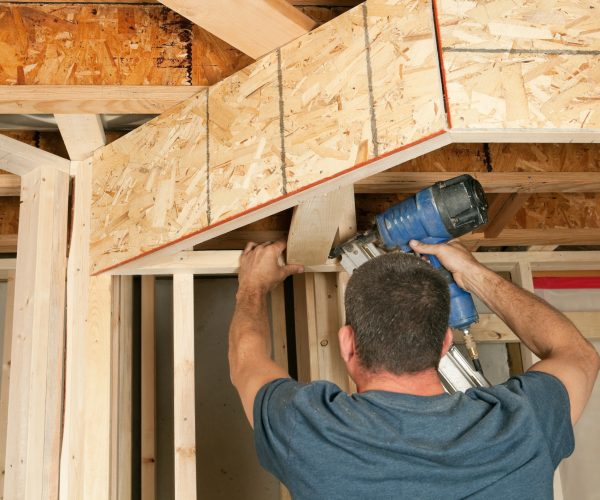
423	383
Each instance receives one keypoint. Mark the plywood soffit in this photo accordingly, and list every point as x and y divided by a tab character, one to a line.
291	125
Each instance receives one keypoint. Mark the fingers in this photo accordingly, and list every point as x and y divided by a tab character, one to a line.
425	248
249	247
292	269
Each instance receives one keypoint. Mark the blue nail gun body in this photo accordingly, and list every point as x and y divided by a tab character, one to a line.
437	214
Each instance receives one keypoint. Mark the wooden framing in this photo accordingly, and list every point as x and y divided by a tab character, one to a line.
184	409
20	158
97	99
35	397
121	389
5	381
492	182
81	134
254	28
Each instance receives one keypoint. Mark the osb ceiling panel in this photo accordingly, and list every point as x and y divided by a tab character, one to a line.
532	64
292	120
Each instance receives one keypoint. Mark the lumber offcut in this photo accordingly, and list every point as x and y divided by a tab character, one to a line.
251	145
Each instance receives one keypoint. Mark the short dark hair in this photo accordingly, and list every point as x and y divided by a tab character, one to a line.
398	306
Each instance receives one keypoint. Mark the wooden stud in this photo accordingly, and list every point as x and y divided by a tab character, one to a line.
121	388
88	345
148	383
5	382
96	455
82	134
20	158
184	395
542	248
255	28
527	237
96	99
35	397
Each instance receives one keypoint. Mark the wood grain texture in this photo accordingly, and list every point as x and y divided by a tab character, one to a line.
97	99
167	197
247	134
184	414
6	362
526	65
492	182
81	133
35	397
20	158
255	28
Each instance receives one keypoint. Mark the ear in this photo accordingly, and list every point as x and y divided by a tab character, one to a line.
347	342
448	339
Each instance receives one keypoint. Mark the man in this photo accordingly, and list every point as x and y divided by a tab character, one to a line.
401	436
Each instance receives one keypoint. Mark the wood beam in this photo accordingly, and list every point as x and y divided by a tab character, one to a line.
8	243
82	134
492	182
19	158
527	237
184	413
227	262
208	262
254	28
95	99
35	398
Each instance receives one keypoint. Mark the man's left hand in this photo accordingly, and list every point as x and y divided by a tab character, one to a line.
262	267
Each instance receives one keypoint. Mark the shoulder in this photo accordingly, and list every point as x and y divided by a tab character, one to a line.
534	398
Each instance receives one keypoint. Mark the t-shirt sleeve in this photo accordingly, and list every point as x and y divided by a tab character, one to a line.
550	403
274	421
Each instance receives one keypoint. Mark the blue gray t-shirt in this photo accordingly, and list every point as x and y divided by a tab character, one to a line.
500	442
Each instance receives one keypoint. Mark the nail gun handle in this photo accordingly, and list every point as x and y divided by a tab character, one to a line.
443	271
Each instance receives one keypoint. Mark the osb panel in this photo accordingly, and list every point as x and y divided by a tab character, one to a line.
530	64
451	158
326	100
149	187
93	44
407	91
545	157
245	140
322	86
559	210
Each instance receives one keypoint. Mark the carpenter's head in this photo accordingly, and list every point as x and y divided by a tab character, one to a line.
398	307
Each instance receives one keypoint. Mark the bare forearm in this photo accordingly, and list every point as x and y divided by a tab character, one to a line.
540	327
249	330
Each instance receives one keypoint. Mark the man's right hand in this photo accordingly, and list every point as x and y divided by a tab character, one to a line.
455	258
